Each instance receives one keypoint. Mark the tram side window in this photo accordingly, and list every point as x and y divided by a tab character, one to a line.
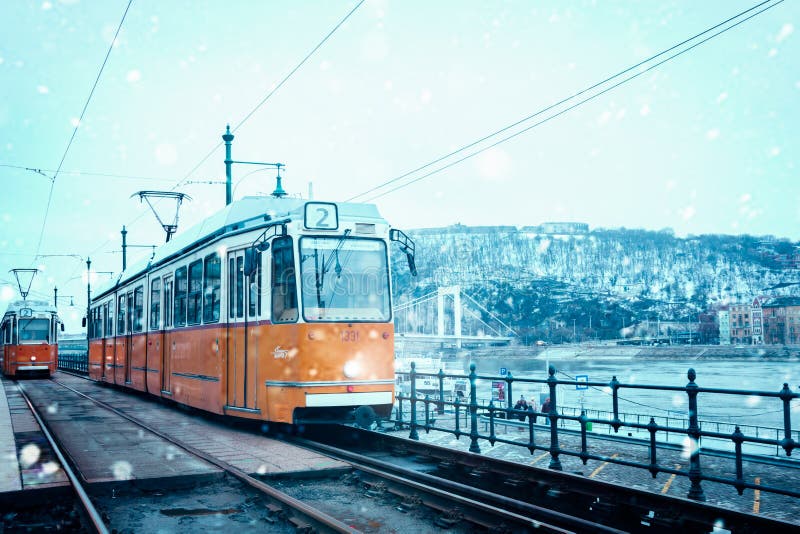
181	285
254	302
284	283
211	288
155	304
195	307
121	315
109	311
168	302
138	308
7	332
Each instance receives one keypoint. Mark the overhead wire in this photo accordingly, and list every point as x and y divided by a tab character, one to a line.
77	125
563	101
250	113
86	173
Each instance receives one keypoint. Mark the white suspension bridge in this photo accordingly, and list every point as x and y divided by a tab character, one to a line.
443	318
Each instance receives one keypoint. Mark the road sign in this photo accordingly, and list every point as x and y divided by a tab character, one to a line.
581	382
503	371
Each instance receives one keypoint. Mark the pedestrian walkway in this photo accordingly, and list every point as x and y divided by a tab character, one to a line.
9	467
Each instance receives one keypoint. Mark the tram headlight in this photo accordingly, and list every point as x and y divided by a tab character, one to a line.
33	358
352	369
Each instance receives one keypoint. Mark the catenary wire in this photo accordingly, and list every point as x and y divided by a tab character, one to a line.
560	102
84	173
75	130
249	114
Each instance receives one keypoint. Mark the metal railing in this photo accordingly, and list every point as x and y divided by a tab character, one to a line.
74	360
693	429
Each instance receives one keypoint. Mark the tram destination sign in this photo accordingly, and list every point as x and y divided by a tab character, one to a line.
321	216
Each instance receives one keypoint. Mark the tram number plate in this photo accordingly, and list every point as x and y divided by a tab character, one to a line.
321	216
349	336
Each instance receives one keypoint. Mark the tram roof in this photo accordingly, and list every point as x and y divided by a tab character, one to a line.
247	213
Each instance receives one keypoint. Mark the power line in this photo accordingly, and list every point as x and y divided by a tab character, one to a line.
77	125
84	173
251	112
562	101
275	89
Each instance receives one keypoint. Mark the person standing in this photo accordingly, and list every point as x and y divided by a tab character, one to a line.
546	410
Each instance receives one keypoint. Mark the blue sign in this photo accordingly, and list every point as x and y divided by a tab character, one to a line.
581	381
503	371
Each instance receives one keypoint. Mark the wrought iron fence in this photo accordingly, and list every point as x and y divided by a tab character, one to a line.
694	429
76	361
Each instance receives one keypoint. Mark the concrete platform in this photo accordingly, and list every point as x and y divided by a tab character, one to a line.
9	467
241	448
108	449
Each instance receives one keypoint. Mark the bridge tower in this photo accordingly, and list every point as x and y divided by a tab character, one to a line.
455	292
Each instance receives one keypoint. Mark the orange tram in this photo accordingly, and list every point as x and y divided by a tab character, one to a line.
276	309
29	336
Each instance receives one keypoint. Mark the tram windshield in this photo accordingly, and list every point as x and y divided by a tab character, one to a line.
34	330
344	279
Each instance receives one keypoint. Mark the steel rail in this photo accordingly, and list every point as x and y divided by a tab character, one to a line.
690	510
86	502
319	519
504	507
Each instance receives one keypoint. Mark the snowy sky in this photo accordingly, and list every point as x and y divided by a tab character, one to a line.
705	143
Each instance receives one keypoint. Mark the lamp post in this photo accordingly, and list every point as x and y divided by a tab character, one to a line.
228	137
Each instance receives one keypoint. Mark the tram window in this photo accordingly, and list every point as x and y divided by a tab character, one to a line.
110	319
129	312
180	297
195	305
167	302
34	330
138	309
155	304
284	284
121	315
6	332
254	282
231	286
211	288
240	286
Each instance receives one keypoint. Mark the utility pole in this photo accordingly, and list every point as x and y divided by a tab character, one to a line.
574	337
124	233
55	296
88	296
228	137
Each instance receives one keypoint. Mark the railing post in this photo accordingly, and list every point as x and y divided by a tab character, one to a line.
695	474
414	434
555	463
492	436
427	414
458	418
652	427
473	410
787	443
738	438
615	422
584	453
440	404
510	397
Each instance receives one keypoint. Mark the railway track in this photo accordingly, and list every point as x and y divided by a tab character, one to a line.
299	514
550	491
389	489
88	509
462	489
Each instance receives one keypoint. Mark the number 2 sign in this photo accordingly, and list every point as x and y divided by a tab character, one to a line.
321	216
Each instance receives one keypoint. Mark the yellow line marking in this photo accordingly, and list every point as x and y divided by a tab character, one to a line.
602	466
669	482
536	460
757	497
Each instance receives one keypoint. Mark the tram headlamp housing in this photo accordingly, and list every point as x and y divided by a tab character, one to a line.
352	369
